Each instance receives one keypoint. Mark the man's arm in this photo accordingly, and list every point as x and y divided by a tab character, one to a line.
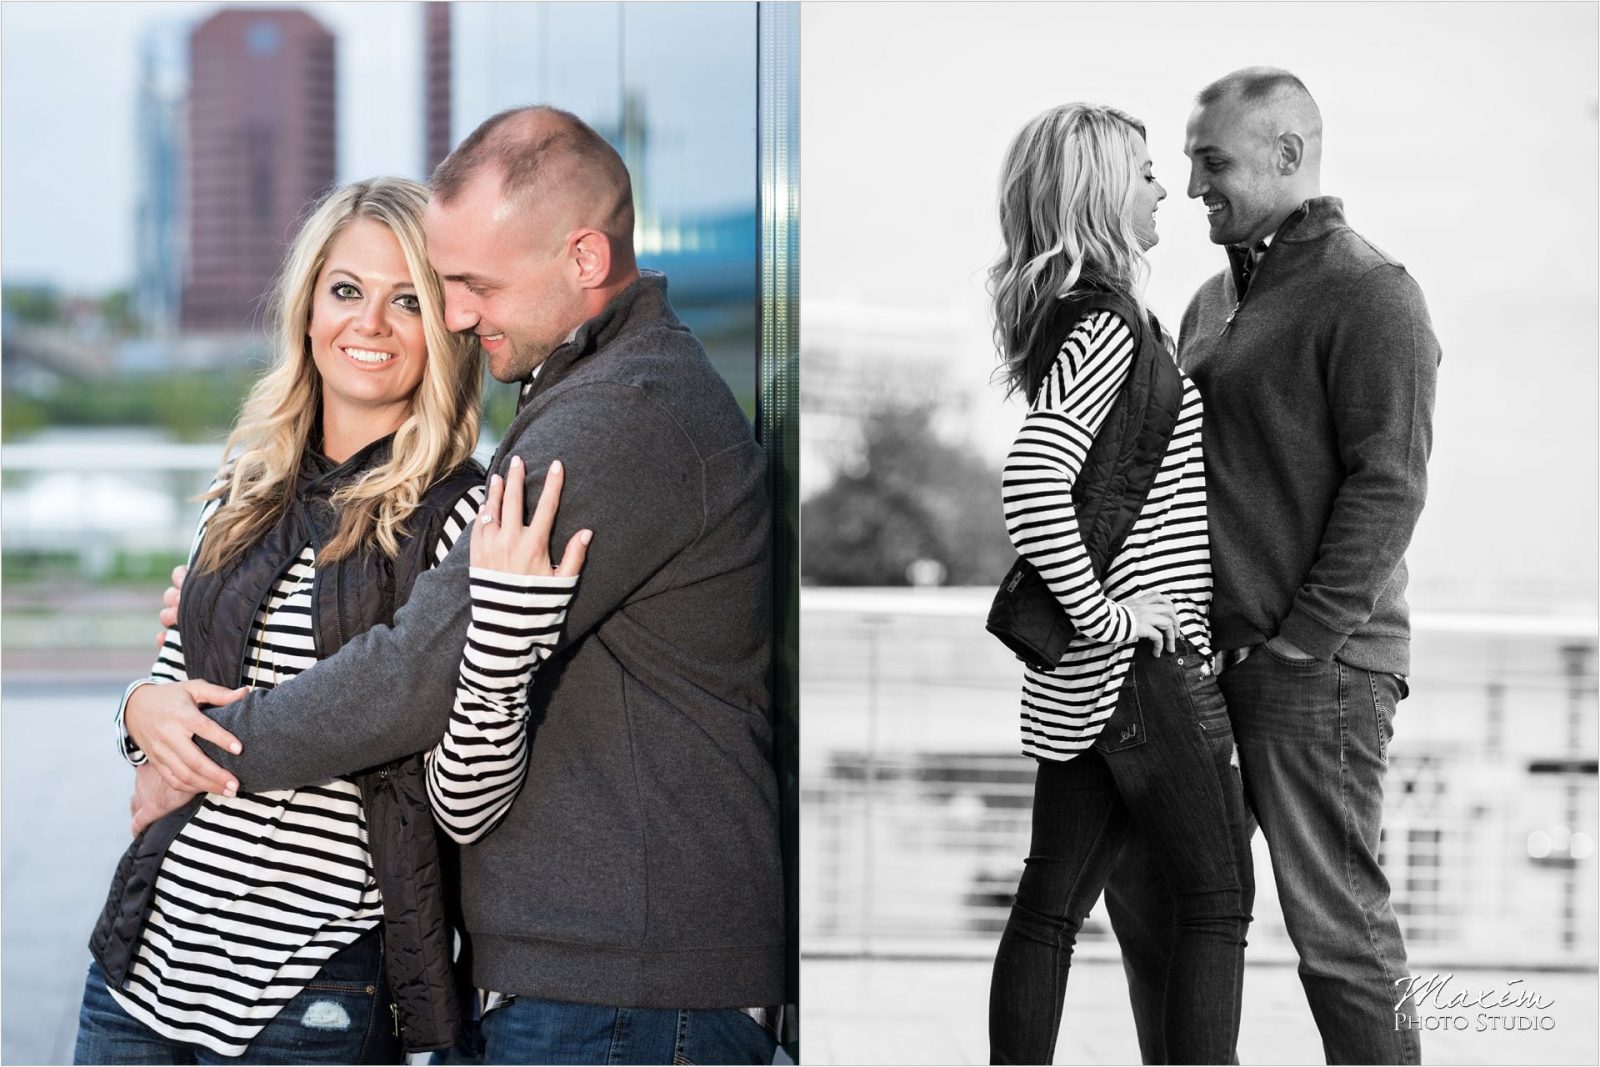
631	477
1381	374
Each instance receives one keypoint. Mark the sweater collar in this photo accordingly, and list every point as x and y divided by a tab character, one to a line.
1312	220
644	301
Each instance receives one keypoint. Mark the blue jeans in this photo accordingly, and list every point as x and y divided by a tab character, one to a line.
535	1030
1313	747
1162	763
350	988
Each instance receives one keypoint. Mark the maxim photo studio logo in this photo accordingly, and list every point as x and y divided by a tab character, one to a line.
1510	1007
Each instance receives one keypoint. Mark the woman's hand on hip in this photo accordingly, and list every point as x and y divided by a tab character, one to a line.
1154	618
164	719
501	542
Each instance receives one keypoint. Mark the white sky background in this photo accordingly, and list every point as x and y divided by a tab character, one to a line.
1462	138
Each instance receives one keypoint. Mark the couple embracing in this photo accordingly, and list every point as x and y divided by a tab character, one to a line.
350	666
1242	635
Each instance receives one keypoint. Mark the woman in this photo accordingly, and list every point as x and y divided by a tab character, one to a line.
1126	738
271	927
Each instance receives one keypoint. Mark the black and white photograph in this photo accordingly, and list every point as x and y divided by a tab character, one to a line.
1198	510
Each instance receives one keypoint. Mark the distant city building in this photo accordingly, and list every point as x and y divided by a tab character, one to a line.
261	149
674	94
163	86
436	139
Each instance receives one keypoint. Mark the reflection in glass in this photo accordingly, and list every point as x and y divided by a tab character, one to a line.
673	87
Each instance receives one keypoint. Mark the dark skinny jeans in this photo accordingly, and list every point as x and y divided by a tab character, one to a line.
1165	763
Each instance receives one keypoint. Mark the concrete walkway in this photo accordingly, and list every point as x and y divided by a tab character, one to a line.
65	821
935	1012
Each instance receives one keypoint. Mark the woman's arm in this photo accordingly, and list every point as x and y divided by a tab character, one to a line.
152	797
1044	464
169	665
518	605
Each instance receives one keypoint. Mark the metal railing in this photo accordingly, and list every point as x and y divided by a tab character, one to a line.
916	801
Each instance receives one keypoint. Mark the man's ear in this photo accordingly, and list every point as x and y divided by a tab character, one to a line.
1290	152
591	258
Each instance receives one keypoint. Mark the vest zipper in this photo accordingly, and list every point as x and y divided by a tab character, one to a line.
266	594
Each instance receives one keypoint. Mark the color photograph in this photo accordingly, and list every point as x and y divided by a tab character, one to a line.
413	370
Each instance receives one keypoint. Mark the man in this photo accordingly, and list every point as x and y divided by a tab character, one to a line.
1317	362
629	905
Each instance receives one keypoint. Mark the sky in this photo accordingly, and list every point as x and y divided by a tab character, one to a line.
1461	137
68	140
69	183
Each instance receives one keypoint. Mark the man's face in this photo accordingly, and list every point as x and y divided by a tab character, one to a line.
1232	168
505	276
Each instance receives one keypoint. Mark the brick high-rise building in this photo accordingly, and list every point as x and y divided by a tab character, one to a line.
436	143
261	149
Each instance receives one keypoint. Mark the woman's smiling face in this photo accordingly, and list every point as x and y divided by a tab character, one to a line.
366	328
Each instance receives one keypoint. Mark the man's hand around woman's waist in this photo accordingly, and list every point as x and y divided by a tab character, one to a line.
164	718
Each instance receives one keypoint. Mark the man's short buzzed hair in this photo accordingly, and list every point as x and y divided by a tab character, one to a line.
524	154
1252	83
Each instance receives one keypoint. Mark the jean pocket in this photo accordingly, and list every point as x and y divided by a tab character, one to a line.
355	988
1307	664
1387	691
1125	728
1206	703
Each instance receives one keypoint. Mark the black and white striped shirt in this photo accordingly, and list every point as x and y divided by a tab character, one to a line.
477	769
259	890
1166	551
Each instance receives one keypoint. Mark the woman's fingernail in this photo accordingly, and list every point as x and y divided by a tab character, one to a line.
516	461
555	466
494	480
585	536
235	749
232	790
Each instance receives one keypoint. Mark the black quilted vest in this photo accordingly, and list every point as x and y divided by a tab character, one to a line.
1122	464
362	590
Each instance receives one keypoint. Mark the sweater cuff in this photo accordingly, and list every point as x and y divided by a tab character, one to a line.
1311	637
127	748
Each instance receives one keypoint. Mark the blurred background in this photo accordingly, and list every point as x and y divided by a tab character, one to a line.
157	157
1462	139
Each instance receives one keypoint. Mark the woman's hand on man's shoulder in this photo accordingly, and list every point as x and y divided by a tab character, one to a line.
500	540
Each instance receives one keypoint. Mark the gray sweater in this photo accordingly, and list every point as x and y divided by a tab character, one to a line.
1319	407
640	864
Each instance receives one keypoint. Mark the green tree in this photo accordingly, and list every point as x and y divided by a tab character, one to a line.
913	496
117	308
37	305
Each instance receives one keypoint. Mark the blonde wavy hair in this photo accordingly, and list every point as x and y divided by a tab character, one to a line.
262	457
1066	216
